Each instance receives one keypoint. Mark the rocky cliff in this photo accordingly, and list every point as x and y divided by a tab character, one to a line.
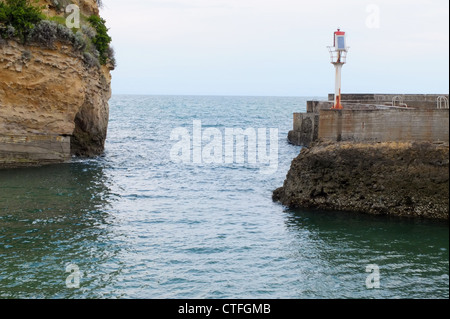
402	179
56	7
52	103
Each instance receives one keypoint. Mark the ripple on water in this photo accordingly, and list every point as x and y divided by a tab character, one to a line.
140	226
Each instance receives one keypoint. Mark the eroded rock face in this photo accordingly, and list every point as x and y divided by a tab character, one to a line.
57	7
51	93
402	179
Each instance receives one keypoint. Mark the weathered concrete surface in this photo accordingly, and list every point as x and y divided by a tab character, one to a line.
398	125
31	150
306	129
401	179
366	118
306	125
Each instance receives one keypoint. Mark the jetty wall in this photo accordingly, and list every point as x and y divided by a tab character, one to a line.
371	117
398	125
371	157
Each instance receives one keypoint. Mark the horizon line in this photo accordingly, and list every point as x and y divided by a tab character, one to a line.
213	95
253	95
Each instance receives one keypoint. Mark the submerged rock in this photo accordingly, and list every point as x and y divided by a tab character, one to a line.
402	179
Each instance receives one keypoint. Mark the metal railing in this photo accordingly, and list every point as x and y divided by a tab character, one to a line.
398	101
442	102
338	56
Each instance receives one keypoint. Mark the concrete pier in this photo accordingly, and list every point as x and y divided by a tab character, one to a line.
373	118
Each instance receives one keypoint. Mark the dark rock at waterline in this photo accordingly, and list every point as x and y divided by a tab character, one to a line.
402	179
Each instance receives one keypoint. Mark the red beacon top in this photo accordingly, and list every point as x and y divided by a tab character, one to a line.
339	40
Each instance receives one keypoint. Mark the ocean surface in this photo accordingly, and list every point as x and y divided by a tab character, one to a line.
139	223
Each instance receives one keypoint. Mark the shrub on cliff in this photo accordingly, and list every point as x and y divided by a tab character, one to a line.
101	40
79	42
21	15
7	33
90	60
112	57
89	31
46	32
20	20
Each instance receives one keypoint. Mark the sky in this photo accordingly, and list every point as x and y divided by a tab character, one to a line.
277	47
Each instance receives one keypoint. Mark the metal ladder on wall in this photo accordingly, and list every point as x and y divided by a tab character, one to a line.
442	103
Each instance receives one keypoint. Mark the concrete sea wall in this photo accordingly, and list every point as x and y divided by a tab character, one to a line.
398	125
371	157
369	117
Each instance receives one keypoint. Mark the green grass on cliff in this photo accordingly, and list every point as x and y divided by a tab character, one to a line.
101	40
20	15
23	20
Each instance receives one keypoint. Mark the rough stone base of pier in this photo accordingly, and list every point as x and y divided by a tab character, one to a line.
33	150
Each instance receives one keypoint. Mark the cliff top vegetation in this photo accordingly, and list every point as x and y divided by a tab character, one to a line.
25	21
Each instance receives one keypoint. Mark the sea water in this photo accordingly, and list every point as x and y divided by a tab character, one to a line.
139	222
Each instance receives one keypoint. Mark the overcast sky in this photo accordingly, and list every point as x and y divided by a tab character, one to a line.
277	47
